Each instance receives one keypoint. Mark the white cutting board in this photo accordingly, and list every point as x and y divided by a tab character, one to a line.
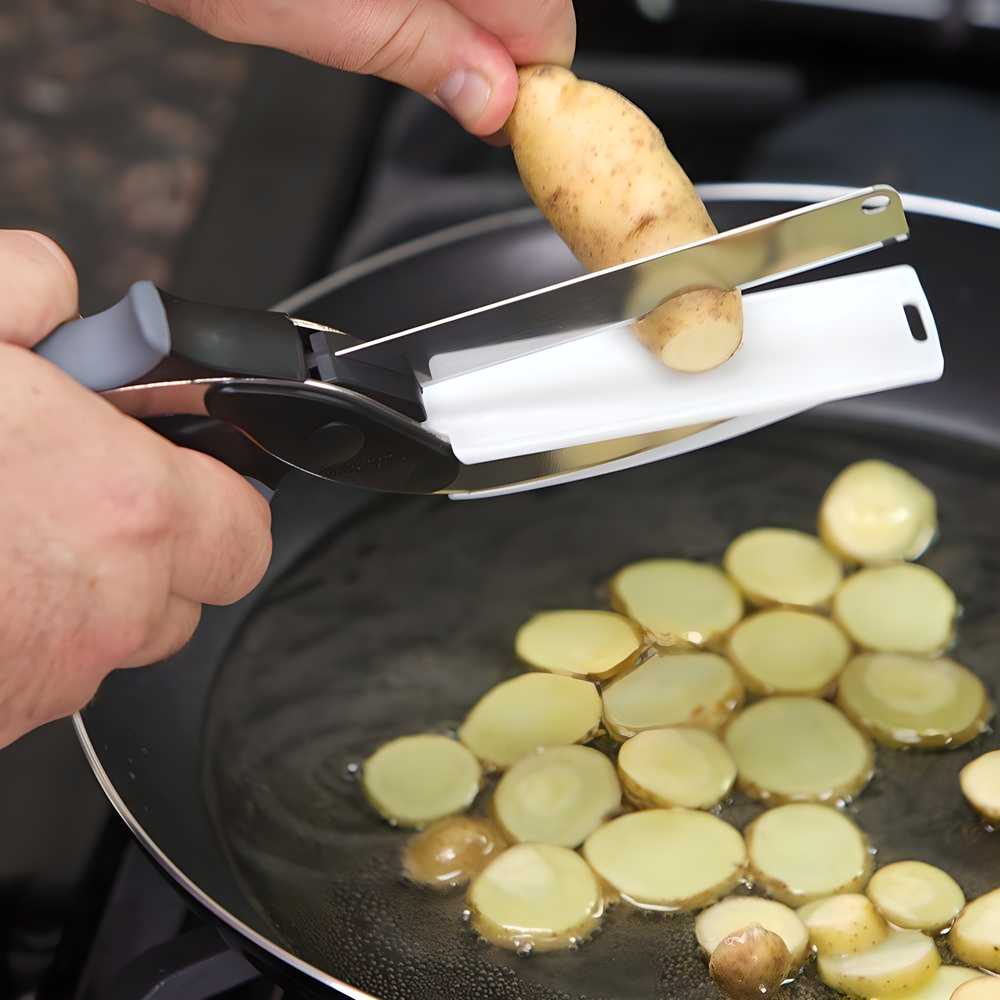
803	345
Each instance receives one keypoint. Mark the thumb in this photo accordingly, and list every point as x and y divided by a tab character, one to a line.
38	288
426	45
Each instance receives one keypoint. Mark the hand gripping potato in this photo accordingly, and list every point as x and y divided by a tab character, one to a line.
601	173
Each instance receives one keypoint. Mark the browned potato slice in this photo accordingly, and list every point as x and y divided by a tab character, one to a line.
980	780
449	852
591	645
916	896
975	935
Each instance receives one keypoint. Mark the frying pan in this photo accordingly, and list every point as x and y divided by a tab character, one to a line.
234	763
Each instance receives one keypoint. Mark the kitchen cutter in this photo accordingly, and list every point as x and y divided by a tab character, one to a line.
540	389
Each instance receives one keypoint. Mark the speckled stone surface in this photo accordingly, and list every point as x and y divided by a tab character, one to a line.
110	115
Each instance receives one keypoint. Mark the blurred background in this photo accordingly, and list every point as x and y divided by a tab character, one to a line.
238	175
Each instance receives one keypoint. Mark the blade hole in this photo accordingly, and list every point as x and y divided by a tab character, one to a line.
916	321
875	204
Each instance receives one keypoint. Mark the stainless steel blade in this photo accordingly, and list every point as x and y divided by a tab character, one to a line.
740	258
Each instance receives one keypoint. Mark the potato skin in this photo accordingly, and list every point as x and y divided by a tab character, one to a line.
603	176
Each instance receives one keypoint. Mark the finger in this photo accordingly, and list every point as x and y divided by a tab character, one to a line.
38	289
223	540
172	633
426	45
532	31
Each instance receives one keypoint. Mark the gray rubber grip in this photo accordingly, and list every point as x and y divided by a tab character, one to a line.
114	347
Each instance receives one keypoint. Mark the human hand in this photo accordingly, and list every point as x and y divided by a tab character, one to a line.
111	538
461	54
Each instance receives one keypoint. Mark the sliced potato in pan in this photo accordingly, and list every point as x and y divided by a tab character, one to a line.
980	781
780	566
591	645
676	767
916	896
802	852
975	935
736	912
942	985
791	749
678	602
905	960
844	924
667	859
979	987
672	689
451	851
784	651
557	796
897	609
518	716
874	512
910	701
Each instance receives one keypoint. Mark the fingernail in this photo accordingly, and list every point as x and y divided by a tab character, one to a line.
465	94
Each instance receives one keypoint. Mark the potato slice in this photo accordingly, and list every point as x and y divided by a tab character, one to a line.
518	716
667	859
731	914
909	701
788	652
942	985
874	512
844	924
979	987
591	645
791	749
779	566
416	779
750	963
916	896
897	609
676	767
676	601
449	852
905	960
677	689
802	852
980	782
557	796
975	935
536	897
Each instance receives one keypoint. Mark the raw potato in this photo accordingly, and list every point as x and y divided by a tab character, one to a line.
536	897
591	645
676	767
844	924
916	896
788	652
601	173
736	912
518	716
667	859
798	749
679	689
897	609
557	796
803	852
905	960
874	512
779	566
980	781
942	985
979	988
909	701
975	935
449	852
750	963
416	779
678	602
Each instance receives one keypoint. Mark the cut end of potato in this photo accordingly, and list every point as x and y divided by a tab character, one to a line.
590	645
916	896
678	602
779	566
519	716
975	935
790	749
980	781
785	845
667	859
557	796
874	513
788	652
904	961
676	767
674	689
750	963
416	779
977	987
536	897
451	851
908	701
730	915
844	924
897	609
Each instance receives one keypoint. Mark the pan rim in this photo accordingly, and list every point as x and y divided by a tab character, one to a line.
736	191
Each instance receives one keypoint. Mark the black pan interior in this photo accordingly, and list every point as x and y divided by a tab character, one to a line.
398	624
